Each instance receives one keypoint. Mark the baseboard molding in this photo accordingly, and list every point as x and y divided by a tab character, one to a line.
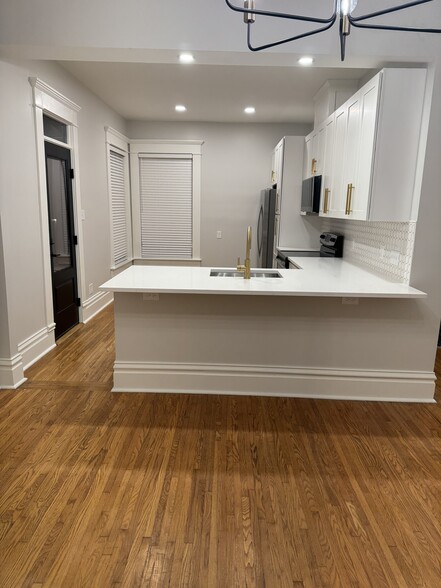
11	372
95	304
37	345
386	386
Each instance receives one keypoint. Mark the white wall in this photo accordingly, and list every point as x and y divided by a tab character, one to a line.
19	199
4	323
236	166
426	266
19	206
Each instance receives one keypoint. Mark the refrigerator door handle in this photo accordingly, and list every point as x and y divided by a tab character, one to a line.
260	231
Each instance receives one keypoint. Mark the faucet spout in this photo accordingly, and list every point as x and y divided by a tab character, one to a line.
246	268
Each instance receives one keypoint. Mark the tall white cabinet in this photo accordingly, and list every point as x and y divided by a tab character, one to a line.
369	150
292	231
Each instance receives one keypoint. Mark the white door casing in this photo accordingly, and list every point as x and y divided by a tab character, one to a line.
47	100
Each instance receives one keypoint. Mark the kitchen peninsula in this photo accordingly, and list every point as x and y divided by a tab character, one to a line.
180	329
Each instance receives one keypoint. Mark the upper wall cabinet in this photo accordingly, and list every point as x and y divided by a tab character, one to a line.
277	164
370	147
313	153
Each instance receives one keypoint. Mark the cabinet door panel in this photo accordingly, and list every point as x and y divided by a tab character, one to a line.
327	167
351	153
361	193
308	156
338	193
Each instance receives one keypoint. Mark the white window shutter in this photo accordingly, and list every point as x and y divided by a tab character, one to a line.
118	191
166	191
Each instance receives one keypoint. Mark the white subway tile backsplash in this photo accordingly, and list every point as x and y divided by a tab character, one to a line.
385	248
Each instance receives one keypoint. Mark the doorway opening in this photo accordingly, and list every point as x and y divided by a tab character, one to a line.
62	237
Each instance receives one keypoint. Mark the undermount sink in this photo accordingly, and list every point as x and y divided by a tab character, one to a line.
226	273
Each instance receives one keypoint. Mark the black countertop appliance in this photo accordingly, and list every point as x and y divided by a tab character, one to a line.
331	245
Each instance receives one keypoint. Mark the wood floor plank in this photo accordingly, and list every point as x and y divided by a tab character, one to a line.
131	490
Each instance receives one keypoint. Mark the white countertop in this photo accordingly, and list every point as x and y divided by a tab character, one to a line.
297	249
318	277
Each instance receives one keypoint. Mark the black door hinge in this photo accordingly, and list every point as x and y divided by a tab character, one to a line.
75	240
72	174
78	301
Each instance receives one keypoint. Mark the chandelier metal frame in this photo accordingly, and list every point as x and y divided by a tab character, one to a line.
346	20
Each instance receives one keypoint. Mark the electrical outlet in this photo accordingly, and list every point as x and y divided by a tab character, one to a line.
219	235
91	288
349	300
154	296
83	214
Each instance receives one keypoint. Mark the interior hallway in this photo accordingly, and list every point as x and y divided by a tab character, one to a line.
100	489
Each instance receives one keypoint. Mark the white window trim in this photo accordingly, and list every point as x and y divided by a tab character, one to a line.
47	100
115	141
158	147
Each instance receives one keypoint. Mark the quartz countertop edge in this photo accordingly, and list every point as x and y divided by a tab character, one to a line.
316	276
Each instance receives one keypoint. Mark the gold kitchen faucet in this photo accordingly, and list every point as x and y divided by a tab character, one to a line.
246	268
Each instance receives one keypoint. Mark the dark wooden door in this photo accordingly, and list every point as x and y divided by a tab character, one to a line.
62	238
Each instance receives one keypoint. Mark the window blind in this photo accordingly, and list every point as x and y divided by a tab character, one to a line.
119	210
166	193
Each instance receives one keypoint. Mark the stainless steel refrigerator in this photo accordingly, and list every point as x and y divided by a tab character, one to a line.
266	227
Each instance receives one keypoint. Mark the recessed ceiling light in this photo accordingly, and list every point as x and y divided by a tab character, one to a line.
249	110
305	61
180	108
186	58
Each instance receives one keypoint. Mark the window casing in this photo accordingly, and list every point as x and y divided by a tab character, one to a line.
119	199
165	181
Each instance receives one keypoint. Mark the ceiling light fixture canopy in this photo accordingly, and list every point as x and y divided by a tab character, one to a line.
342	11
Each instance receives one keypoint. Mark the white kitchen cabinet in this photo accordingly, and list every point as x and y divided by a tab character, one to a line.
328	129
291	229
313	153
377	147
346	159
277	164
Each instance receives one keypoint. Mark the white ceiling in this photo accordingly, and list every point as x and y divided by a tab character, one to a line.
215	93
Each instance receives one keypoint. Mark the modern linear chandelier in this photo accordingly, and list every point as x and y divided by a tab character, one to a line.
343	10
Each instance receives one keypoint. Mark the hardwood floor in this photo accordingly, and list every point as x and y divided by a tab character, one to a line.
114	490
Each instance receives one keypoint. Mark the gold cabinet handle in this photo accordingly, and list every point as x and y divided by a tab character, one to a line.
326	203
348	191
313	162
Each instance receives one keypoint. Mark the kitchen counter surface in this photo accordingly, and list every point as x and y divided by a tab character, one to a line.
316	276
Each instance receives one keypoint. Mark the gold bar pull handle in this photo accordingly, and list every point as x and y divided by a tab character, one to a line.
351	187
313	162
347	200
326	203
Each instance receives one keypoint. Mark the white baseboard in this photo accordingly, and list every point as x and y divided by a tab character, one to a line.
34	347
274	381
11	372
30	350
95	304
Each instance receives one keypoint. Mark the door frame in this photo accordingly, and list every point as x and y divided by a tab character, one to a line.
47	100
69	274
